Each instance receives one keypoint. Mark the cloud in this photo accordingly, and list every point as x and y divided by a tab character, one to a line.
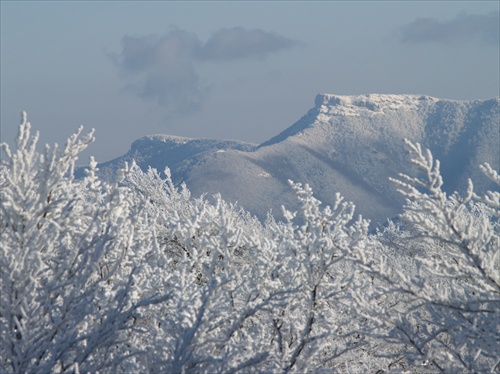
238	43
162	69
465	27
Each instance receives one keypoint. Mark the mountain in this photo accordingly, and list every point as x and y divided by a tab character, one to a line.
160	151
346	144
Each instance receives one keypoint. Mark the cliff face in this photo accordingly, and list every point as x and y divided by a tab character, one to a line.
346	144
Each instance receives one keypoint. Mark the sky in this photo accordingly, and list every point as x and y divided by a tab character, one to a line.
242	70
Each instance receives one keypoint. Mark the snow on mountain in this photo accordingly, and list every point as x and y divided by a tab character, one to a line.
346	144
159	151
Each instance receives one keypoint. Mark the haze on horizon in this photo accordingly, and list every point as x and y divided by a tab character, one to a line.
229	70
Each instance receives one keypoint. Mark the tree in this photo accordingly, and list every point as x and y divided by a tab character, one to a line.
225	293
316	327
437	288
137	275
70	255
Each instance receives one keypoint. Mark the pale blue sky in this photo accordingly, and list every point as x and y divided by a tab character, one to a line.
232	70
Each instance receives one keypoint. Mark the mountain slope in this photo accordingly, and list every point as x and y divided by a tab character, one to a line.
346	144
160	151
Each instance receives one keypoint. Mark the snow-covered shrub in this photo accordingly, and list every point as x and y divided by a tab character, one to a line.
70	256
138	276
316	326
436	292
218	266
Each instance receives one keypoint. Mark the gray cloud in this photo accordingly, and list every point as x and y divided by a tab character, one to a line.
162	69
238	43
464	27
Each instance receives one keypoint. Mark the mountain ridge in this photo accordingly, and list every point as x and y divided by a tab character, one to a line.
346	144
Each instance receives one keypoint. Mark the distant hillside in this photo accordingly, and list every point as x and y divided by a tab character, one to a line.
346	144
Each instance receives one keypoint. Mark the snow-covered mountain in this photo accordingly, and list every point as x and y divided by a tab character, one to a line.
346	144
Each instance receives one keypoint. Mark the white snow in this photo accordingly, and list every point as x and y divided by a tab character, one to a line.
329	104
346	144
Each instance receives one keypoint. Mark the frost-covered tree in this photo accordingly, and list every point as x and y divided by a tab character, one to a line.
436	288
70	255
218	267
246	296
316	326
139	276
